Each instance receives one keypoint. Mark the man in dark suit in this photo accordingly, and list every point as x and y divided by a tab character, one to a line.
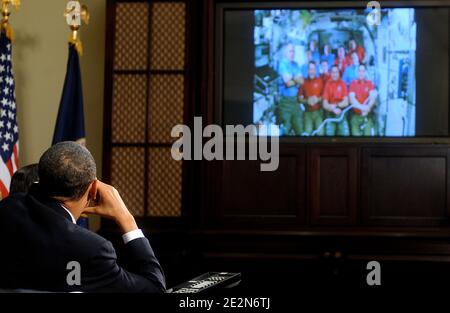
43	249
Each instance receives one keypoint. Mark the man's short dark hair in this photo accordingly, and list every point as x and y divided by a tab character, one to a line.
312	62
334	65
66	170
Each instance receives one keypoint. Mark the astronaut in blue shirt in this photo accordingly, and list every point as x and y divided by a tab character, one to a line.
351	71
315	53
290	73
328	55
289	113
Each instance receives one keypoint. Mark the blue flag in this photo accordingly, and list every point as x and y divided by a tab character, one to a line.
70	121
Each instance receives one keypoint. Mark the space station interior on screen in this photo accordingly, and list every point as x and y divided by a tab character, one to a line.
330	73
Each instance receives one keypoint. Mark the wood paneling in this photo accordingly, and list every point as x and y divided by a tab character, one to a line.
245	194
333	189
405	186
390	185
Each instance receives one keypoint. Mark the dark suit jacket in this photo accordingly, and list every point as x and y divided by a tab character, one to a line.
38	239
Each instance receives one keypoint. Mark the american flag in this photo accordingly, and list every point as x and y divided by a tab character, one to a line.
9	130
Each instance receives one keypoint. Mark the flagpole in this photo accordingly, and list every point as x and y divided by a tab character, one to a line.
71	106
76	13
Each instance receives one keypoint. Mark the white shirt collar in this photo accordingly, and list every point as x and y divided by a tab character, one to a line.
71	216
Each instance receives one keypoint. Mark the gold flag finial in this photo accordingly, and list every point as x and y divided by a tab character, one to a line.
6	12
76	13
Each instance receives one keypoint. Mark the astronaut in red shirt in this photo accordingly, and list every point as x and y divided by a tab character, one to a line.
353	47
362	95
335	99
310	95
342	60
324	71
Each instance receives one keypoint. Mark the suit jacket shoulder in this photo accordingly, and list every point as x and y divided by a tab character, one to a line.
40	241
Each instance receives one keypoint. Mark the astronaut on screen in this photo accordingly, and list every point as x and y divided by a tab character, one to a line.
333	61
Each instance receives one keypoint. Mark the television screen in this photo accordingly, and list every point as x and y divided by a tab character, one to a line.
337	72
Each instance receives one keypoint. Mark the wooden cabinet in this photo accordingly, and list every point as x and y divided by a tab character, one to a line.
334	185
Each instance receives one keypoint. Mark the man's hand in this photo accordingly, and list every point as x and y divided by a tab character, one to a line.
342	104
337	111
109	204
299	79
313	100
365	110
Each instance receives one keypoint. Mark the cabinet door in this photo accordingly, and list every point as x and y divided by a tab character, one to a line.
405	186
246	196
333	185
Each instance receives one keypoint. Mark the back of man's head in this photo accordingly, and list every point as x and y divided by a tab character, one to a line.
66	170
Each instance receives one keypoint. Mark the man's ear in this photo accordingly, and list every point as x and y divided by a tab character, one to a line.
93	191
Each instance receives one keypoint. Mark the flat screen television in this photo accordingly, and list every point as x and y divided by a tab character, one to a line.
334	69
